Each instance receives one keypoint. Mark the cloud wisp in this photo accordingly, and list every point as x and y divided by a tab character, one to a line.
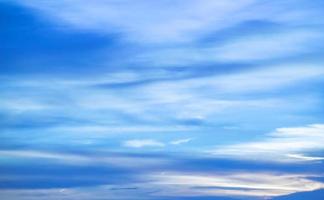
143	143
284	144
234	184
100	158
181	141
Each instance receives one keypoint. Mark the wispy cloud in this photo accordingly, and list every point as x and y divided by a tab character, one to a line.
100	157
181	141
153	143
256	47
234	184
284	144
143	143
60	157
306	158
162	106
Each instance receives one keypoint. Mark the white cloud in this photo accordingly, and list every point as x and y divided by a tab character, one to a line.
143	143
284	144
177	184
153	143
258	184
306	158
181	141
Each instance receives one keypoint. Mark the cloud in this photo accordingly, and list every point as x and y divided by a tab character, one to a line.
30	154
161	106
143	143
177	184
258	184
153	143
265	46
284	144
209	88
181	141
101	157
306	158
104	130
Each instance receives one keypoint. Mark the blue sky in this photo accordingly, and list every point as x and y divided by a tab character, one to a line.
161	100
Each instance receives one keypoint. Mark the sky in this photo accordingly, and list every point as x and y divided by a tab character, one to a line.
161	100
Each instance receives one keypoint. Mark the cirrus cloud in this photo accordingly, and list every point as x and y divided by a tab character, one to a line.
284	144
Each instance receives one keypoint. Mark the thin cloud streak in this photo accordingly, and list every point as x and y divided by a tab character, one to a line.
181	141
234	184
284	144
101	158
143	143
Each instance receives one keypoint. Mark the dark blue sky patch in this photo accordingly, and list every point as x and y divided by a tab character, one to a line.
30	45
